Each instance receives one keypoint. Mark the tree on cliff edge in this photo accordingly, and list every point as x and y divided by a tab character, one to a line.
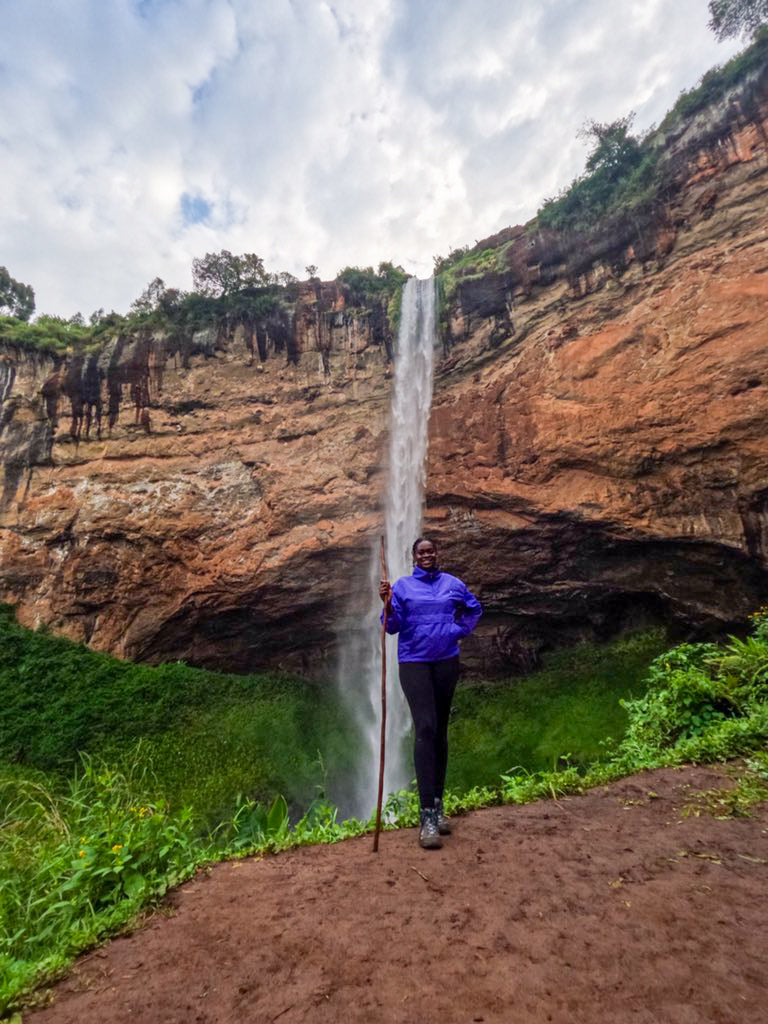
615	151
614	171
16	299
732	18
222	273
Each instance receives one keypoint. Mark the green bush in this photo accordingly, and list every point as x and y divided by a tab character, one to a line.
364	285
682	699
703	701
286	742
49	335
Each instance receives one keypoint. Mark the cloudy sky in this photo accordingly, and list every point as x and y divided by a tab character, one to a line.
137	134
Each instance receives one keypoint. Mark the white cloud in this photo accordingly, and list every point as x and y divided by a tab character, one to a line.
137	135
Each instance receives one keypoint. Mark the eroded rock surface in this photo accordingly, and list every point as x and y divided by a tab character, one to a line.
598	452
217	519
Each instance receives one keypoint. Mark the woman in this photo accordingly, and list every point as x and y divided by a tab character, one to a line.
431	610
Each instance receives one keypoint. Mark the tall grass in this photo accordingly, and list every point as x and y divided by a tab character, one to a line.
78	860
293	743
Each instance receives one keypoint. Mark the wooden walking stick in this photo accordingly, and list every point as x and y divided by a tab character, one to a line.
384	576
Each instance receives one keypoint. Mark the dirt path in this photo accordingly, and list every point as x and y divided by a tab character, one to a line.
610	908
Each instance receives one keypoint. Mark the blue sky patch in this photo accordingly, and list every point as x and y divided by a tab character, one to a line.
146	8
194	209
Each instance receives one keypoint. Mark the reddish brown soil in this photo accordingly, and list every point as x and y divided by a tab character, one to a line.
609	907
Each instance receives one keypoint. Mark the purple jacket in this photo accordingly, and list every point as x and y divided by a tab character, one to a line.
431	611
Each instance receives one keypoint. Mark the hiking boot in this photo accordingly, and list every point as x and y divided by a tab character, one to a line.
429	834
443	823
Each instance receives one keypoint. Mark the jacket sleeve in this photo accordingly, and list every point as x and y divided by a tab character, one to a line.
395	614
469	612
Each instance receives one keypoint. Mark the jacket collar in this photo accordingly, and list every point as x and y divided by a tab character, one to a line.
424	575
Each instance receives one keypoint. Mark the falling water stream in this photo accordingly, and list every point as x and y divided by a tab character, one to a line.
403	502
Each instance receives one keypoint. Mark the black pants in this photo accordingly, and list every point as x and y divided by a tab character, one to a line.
428	687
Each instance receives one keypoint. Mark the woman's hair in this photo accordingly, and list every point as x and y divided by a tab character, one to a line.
420	540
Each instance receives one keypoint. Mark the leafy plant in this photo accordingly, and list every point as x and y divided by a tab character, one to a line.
16	298
732	18
79	859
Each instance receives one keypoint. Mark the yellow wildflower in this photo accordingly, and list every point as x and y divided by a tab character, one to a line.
117	847
82	853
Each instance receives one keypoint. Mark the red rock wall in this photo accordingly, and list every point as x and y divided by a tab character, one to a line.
219	531
598	452
598	456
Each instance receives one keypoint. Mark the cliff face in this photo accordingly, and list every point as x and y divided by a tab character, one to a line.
213	511
598	453
598	438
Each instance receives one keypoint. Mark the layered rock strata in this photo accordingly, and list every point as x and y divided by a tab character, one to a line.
214	514
598	451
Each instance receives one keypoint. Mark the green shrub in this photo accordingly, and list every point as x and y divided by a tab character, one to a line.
682	698
48	334
364	285
704	701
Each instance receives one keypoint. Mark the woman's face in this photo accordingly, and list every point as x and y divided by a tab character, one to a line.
425	555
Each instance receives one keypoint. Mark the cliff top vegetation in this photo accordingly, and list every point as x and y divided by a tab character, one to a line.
627	180
229	290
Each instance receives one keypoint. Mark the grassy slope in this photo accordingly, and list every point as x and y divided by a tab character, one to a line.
210	736
569	708
207	735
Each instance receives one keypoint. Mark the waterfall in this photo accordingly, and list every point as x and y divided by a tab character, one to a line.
360	667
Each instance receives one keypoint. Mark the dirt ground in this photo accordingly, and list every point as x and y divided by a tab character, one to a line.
609	907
